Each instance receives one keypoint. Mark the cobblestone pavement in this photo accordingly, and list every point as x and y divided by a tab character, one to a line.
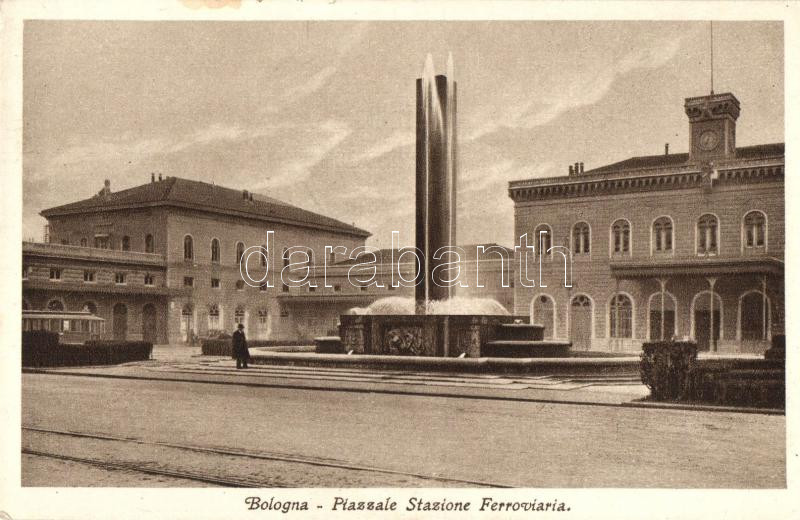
501	442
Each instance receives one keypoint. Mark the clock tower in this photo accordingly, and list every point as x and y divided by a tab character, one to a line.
712	126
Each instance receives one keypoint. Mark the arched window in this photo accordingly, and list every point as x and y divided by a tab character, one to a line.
84	242
55	305
238	315
755	229
263	256
91	307
149	245
662	235
621	317
543	312
126	243
188	249
621	237
662	324
581	239
215	250
25	305
707	235
239	252
213	317
543	238
285	257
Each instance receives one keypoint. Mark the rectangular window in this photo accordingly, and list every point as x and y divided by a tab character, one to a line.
55	273
284	312
311	288
284	288
88	276
262	287
337	288
188	281
363	288
119	278
239	285
25	272
215	283
148	279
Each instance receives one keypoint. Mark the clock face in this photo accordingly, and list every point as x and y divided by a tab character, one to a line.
709	140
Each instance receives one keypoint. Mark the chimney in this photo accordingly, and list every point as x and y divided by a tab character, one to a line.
251	197
581	167
152	177
571	170
666	148
106	188
577	170
159	176
244	194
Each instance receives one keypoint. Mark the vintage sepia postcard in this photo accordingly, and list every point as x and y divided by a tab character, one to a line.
398	260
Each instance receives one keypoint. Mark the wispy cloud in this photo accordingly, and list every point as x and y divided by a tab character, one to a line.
574	94
320	78
325	137
397	140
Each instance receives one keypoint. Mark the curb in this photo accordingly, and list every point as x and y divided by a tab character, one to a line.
703	407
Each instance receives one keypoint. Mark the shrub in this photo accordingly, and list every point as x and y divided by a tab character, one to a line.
38	347
39	350
665	366
218	334
223	347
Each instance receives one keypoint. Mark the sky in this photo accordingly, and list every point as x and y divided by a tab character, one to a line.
322	114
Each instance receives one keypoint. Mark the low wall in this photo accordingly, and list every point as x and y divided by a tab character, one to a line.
431	335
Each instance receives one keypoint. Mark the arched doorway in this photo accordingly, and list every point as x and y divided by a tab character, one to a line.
149	323
655	318
187	323
120	321
704	319
580	319
754	316
264	324
543	313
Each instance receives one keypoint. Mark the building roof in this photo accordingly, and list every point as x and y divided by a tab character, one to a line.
203	196
679	159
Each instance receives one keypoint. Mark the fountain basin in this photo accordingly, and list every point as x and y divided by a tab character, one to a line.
526	349
435	335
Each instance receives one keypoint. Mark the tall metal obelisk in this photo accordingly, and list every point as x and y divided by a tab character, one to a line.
436	178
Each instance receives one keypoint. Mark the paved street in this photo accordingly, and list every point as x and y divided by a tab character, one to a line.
305	438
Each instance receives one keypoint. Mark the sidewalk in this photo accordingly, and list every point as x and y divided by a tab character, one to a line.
185	365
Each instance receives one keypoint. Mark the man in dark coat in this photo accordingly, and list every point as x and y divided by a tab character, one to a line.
240	351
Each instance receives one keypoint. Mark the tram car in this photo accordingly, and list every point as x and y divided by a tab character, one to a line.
73	327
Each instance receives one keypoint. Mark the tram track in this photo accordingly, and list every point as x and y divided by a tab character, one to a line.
231	452
140	468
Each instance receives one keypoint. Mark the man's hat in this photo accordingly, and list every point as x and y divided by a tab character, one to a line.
241	325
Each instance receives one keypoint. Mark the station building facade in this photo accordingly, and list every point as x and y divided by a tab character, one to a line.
687	245
160	261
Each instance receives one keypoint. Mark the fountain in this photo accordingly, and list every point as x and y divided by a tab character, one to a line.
436	322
